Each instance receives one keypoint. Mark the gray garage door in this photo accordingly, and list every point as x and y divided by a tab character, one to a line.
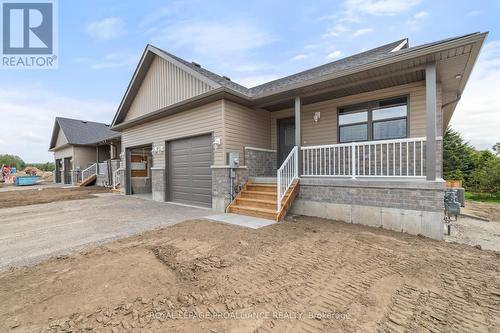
190	177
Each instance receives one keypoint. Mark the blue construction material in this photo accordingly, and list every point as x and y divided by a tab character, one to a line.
26	180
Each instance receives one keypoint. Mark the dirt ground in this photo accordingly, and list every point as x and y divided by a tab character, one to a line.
490	211
46	195
306	274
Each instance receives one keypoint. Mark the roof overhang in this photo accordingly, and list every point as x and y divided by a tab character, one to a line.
456	56
200	100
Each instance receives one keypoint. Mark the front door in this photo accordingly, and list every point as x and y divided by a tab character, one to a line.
68	167
286	138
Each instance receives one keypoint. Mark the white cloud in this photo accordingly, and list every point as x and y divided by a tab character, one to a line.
106	29
361	32
417	19
334	55
112	60
36	109
342	30
298	57
213	38
422	14
379	7
255	80
477	115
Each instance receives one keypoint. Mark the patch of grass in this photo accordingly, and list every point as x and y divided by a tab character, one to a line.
483	197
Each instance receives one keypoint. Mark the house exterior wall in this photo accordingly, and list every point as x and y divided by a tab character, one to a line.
325	130
61	139
201	120
245	127
415	207
164	84
83	156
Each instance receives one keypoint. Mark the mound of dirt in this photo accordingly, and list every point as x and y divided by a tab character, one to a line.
46	195
311	275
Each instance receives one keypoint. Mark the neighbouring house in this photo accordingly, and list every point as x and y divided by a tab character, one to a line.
84	152
358	139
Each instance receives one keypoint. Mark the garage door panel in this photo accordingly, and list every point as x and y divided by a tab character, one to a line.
189	171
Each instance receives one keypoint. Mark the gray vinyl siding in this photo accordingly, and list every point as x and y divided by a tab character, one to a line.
61	139
325	130
63	152
206	119
83	157
164	84
245	127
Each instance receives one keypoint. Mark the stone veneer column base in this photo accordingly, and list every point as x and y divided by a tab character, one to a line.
221	185
158	184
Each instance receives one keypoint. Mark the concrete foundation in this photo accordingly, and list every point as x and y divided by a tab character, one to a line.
415	207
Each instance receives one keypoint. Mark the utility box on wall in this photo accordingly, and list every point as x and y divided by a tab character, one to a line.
233	159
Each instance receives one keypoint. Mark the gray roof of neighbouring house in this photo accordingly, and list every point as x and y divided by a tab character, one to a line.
82	132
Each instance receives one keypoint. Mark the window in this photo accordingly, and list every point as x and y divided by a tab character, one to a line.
378	120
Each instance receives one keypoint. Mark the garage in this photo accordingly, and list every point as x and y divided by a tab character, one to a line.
189	173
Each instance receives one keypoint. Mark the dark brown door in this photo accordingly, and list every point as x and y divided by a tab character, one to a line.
286	138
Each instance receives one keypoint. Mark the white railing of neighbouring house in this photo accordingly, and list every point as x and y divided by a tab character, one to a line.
89	172
384	158
117	177
287	173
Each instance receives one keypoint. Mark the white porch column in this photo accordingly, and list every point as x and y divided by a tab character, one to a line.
430	102
298	130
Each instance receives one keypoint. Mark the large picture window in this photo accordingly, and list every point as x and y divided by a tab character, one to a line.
377	120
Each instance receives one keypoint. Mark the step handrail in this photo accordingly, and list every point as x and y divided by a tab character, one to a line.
89	172
287	174
116	177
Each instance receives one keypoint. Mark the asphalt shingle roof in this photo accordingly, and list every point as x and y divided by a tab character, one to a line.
360	59
81	132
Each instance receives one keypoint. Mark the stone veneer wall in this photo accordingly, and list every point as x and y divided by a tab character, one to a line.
260	162
415	207
158	189
221	184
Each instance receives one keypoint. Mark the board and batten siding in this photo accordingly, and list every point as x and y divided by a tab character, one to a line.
164	84
325	130
245	127
205	119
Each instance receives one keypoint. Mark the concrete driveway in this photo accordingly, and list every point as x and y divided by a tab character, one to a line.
31	233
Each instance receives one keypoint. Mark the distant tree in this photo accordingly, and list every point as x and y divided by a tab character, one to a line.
486	177
48	166
12	160
459	158
496	148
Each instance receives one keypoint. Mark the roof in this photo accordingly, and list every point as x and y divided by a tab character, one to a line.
379	56
82	132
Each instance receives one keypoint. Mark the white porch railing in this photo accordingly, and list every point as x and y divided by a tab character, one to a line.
287	173
385	158
89	172
117	177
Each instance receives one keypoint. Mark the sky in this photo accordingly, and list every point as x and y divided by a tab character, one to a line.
252	42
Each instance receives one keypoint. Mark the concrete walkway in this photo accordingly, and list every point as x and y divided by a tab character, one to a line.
31	233
241	220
